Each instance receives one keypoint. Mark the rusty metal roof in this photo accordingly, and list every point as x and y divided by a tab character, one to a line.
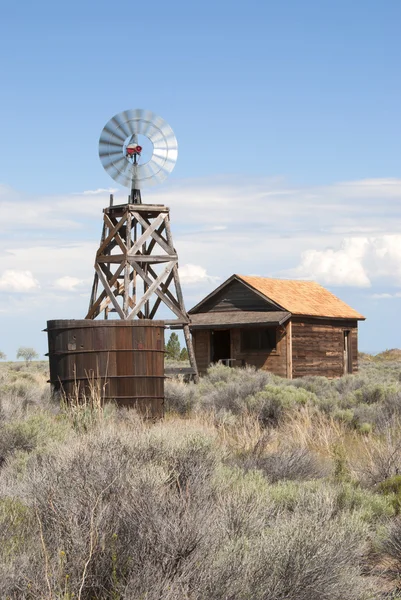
306	298
237	319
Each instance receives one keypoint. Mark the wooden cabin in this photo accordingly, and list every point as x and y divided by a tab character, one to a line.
291	328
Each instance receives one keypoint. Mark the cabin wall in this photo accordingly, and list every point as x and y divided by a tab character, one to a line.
305	347
274	361
201	343
318	346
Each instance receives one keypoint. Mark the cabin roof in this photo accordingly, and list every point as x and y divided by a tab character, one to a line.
306	298
238	319
300	298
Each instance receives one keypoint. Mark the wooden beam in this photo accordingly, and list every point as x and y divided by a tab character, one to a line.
153	241
164	289
158	292
167	292
148	232
112	233
288	338
168	248
103	294
152	288
187	333
127	268
109	291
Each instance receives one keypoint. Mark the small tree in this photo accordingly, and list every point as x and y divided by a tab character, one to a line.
184	354
173	347
2	356
27	354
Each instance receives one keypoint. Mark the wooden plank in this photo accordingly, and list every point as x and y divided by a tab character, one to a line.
180	297
164	289
147	233
289	349
127	268
159	293
103	294
169	249
153	241
151	289
109	291
167	292
112	233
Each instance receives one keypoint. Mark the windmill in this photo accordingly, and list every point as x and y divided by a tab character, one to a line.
136	264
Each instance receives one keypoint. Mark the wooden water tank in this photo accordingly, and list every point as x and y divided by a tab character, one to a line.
125	358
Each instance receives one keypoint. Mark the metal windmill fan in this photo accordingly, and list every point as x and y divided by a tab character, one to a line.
121	149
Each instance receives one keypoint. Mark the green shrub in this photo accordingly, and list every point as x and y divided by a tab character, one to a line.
273	402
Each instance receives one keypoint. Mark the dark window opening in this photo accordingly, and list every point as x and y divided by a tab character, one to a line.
258	339
221	345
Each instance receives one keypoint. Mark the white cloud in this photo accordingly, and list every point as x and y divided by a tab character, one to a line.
190	274
18	281
99	191
386	296
357	262
68	283
228	225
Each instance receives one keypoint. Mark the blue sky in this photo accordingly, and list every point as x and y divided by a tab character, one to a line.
287	116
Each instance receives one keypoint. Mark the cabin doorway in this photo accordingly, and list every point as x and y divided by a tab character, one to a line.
347	353
221	346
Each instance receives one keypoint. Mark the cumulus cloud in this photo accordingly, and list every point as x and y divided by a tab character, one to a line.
190	274
229	225
68	283
18	281
358	262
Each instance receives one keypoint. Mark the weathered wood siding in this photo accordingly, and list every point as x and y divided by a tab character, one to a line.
201	340
354	346
274	361
305	347
237	296
318	346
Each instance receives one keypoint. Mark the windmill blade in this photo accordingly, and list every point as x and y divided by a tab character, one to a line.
118	132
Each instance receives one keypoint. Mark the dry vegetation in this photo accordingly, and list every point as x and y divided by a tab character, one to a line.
252	488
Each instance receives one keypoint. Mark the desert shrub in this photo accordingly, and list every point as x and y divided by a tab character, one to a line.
391	488
116	512
34	433
306	554
273	402
349	383
345	415
248	375
289	463
322	387
180	397
370	506
374	393
242	502
227	389
390	552
381	458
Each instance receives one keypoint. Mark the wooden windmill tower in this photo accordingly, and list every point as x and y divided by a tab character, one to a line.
136	265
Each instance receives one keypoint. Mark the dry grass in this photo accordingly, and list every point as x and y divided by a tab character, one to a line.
252	488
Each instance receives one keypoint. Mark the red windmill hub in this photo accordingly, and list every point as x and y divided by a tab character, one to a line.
133	150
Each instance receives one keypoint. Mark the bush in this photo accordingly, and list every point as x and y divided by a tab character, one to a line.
291	463
273	402
179	397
